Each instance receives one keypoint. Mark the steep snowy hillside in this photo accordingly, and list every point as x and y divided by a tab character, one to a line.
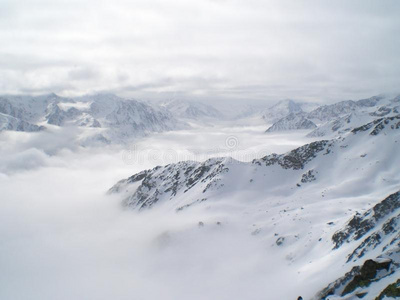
300	203
374	237
292	122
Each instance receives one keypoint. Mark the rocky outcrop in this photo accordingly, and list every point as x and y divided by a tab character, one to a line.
360	224
359	278
376	238
297	158
166	182
378	125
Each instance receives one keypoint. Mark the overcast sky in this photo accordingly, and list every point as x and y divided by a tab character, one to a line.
253	49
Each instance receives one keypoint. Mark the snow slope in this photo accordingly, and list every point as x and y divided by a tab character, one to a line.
294	203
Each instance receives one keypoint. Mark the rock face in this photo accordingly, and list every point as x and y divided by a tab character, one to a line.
357	281
292	122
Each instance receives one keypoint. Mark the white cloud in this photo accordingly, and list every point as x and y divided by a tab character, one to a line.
310	49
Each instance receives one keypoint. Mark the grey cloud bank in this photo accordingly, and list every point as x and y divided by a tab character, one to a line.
204	49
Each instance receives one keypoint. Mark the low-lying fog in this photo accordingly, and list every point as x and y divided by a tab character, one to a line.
61	237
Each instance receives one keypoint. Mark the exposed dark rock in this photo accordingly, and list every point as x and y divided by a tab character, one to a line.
359	225
309	176
379	124
168	181
392	290
338	284
280	240
297	158
366	274
359	277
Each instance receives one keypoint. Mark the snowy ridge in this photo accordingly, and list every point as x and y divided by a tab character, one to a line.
188	174
170	181
175	180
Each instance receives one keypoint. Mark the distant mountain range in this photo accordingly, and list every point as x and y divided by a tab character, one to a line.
333	119
109	118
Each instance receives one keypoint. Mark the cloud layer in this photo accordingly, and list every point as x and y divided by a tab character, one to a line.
212	49
64	238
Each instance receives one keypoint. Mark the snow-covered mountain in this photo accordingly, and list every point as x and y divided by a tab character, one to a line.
281	110
289	115
337	118
27	108
328	112
367	111
341	125
331	206
192	110
292	122
8	122
109	117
